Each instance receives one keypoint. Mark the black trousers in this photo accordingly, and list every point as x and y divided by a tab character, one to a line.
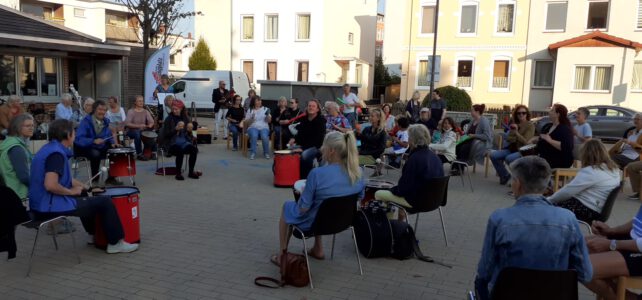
87	208
180	151
93	155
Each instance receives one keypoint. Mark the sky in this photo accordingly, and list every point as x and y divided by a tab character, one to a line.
381	7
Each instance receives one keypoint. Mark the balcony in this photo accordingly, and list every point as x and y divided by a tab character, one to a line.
58	21
464	81
121	33
500	82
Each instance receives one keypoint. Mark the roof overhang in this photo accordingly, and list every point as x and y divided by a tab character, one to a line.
62	45
348	59
595	39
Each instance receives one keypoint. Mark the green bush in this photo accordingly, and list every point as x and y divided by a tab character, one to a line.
202	59
456	98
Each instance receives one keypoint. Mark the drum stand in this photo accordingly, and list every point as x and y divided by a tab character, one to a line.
129	170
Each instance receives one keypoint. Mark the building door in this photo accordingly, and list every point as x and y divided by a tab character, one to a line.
271	70
302	71
248	68
108	80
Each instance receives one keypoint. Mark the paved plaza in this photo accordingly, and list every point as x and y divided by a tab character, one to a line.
209	239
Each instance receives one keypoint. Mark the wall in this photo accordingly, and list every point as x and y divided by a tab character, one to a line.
215	27
394	35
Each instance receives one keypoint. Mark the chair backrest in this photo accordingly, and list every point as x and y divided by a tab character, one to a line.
610	201
335	215
435	193
527	284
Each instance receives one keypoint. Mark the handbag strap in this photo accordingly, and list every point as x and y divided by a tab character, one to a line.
276	283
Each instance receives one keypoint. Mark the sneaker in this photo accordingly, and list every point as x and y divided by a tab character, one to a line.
267	156
193	175
179	177
235	149
635	196
252	155
122	247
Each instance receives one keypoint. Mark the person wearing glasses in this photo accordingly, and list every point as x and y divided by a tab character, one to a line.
221	99
15	157
521	131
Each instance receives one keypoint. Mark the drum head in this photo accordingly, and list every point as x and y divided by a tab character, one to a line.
527	147
378	183
119	191
299	185
149	134
123	150
283	152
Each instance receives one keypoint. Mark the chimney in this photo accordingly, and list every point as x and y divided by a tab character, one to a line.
189	35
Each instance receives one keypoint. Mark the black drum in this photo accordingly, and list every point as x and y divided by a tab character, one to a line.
530	149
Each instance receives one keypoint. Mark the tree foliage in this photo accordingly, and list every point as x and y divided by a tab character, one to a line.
456	98
201	58
382	75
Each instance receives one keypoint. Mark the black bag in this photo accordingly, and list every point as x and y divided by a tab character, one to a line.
373	231
403	240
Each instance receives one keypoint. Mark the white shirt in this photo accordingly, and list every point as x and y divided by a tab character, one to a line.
259	117
627	150
116	119
591	187
349	99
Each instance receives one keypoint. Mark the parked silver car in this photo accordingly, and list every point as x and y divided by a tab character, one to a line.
607	122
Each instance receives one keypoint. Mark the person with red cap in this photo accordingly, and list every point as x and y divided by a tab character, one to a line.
177	137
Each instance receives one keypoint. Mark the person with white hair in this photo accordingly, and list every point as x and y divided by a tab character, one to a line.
8	111
335	120
63	109
533	233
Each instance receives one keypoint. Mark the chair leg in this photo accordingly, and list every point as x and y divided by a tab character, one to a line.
461	174
470	181
443	225
307	260
73	240
621	288
416	222
33	251
334	236
356	251
486	163
53	235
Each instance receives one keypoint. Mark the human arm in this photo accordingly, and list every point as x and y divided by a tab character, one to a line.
586	134
307	197
407	182
54	167
525	132
483	132
18	159
84	136
565	138
582	181
149	120
449	140
487	262
601	228
129	121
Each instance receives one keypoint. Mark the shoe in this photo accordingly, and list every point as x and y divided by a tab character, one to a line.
179	177
113	181
635	196
504	180
267	156
90	239
215	138
142	158
252	156
121	247
193	175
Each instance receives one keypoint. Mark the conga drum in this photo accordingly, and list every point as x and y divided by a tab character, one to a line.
530	149
286	168
148	138
372	186
125	201
122	162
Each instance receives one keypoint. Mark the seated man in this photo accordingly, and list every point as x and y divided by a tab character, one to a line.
422	165
531	234
53	192
94	137
628	150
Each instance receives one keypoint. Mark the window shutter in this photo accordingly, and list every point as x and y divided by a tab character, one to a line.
639	13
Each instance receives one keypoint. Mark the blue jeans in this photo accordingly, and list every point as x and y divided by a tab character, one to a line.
135	134
265	139
307	161
352	118
234	129
498	157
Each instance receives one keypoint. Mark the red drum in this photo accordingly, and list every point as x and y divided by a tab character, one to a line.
372	186
148	138
286	168
122	162
126	201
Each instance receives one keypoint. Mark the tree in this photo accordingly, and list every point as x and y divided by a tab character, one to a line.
202	58
456	98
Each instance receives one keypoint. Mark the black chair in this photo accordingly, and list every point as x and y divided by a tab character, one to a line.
606	209
436	195
335	215
527	284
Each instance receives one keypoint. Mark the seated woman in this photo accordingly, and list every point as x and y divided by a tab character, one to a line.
139	119
115	114
309	136
280	117
445	147
340	177
53	192
178	139
257	120
235	116
94	138
421	166
335	120
15	157
521	131
628	150
614	252
389	119
556	146
373	140
479	137
585	195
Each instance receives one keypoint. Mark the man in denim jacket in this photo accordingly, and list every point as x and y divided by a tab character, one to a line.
531	234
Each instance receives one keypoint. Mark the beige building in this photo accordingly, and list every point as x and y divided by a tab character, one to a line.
215	26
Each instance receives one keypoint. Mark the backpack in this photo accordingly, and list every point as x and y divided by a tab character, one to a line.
403	240
372	230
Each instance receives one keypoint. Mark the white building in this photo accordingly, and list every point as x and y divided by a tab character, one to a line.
182	49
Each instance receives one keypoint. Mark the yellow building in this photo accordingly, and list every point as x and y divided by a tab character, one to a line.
481	47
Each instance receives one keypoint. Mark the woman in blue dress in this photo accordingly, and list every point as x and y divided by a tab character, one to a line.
340	177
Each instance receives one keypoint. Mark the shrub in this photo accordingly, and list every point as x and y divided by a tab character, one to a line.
456	98
202	59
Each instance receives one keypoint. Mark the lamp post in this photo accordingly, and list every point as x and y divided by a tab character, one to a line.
434	49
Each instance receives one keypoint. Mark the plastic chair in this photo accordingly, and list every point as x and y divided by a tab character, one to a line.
40	224
610	201
462	166
624	283
526	284
334	216
436	194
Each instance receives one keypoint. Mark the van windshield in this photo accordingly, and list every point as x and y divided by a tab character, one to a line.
179	86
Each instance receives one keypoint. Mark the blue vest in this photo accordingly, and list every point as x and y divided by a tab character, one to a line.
40	199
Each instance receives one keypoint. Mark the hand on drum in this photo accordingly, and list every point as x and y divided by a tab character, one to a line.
180	125
99	141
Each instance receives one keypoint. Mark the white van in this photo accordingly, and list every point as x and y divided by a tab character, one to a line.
197	86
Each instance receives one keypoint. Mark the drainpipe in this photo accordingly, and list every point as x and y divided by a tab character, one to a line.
528	27
434	49
412	12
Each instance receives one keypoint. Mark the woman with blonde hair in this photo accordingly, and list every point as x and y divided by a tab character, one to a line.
373	139
340	177
586	194
414	107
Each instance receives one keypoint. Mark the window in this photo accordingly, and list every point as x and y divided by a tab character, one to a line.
636	82
271	27
350	38
179	87
79	13
505	18
7	75
271	70
48	77
302	71
639	23
117	20
543	76
465	73
247	32
303	27
598	15
172	59
248	68
27	75
501	74
424	68
613	113
556	16
37	76
468	23
428	20
592	78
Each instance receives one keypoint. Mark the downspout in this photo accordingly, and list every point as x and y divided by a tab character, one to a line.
528	28
231	34
412	11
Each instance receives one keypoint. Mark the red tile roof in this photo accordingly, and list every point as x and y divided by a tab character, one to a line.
597	35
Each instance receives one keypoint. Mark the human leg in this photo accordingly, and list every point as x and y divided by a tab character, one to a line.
265	141
307	161
633	170
235	135
388	196
87	208
581	212
253	133
193	154
135	134
510	158
217	120
621	160
497	157
223	112
606	266
177	151
277	138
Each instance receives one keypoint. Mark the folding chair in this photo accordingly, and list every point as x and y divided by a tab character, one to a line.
38	225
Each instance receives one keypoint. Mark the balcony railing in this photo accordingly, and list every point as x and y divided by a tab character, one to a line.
500	82
464	82
121	33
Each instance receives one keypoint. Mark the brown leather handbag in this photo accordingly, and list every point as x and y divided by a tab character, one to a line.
294	272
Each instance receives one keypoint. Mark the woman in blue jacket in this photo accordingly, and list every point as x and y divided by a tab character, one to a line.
93	136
